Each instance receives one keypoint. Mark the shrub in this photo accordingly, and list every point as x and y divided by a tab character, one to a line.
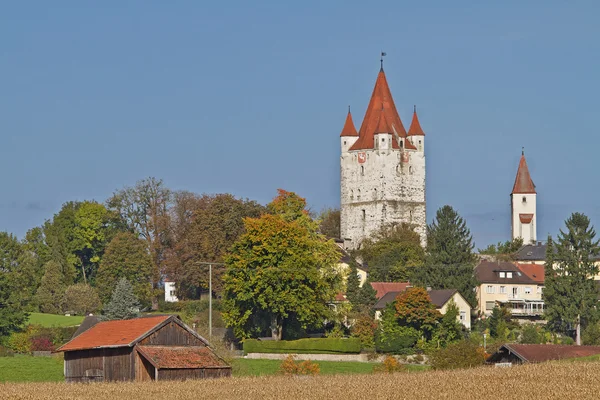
6	352
463	354
41	343
364	329
591	335
20	342
303	346
418	358
289	366
82	299
390	364
400	340
530	335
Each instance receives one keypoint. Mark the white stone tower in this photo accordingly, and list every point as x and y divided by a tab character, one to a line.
382	170
523	205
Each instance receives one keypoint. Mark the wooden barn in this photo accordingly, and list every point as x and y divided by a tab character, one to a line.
142	349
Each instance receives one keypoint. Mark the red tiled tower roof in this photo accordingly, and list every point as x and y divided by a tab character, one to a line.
381	102
382	124
523	183
415	127
349	128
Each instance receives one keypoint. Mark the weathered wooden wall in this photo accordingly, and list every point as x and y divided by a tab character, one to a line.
84	366
198	373
118	364
172	334
144	371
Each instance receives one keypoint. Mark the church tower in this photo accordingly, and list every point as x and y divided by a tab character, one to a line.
523	205
382	170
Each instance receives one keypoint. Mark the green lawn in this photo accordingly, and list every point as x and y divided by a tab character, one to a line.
31	369
49	320
22	368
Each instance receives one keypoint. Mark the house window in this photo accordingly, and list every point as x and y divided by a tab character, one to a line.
463	316
503	289
489	289
540	289
502	274
509	275
489	305
172	293
527	290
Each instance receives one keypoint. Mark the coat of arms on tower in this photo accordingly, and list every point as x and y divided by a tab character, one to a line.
362	157
405	157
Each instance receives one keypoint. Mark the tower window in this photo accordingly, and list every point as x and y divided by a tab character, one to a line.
364	215
410	170
362	170
358	195
419	142
382	140
524	199
401	144
344	142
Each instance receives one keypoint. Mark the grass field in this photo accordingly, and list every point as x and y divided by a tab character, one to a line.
541	381
50	369
50	320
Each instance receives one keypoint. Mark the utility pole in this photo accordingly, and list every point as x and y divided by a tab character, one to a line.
210	265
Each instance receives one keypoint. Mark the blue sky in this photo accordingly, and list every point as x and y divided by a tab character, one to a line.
246	98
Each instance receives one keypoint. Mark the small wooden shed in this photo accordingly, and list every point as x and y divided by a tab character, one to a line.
141	349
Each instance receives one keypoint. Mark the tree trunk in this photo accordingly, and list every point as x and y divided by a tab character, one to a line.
83	273
578	331
276	328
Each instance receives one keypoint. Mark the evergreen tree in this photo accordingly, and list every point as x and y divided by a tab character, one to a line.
123	303
449	329
449	259
367	297
570	292
353	287
50	294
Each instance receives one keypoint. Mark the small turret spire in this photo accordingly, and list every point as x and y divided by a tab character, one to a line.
415	126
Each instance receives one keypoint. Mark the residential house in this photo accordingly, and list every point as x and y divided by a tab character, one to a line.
142	349
511	353
346	262
516	286
440	298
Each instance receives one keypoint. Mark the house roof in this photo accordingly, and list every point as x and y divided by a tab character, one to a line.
349	129
535	353
535	271
523	183
170	357
384	287
437	297
415	126
532	252
381	102
487	272
121	333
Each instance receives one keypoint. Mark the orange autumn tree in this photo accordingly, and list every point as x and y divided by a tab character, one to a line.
414	308
280	271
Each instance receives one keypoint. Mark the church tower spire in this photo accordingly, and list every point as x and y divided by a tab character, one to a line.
523	204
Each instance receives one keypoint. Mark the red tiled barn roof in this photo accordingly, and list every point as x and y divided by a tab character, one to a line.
523	183
166	357
384	287
415	127
349	129
119	333
381	98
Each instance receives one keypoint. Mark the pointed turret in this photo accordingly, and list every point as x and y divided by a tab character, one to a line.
523	183
349	128
415	127
381	102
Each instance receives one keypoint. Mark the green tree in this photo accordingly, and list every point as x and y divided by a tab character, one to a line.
367	297
449	330
392	253
126	256
570	292
279	269
414	308
391	336
449	259
59	234
530	334
353	287
500	322
82	299
12	312
591	335
504	251
329	223
50	294
123	302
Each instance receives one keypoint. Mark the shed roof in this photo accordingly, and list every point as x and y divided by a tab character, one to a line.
121	333
535	353
170	357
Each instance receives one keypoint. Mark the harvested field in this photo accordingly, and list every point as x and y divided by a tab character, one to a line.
544	381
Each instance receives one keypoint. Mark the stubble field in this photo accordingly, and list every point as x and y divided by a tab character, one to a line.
545	381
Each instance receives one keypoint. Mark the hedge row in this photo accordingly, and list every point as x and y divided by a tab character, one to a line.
304	346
